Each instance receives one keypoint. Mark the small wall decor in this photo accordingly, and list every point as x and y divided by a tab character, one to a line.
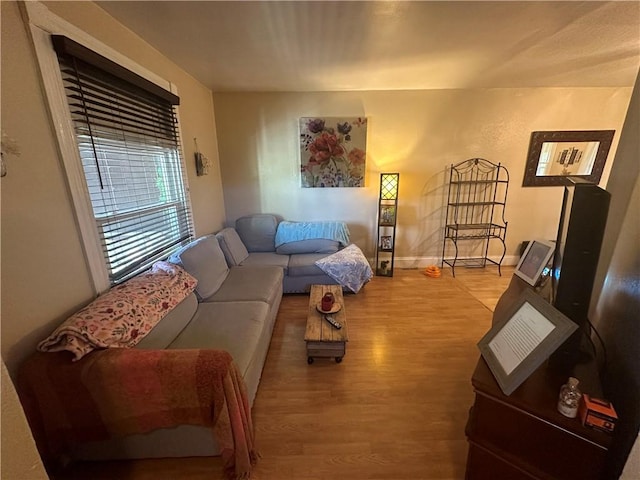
202	162
9	147
556	155
333	151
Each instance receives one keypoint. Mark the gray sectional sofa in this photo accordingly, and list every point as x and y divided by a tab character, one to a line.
253	243
233	309
241	279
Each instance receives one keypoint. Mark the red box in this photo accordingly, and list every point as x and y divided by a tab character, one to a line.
597	413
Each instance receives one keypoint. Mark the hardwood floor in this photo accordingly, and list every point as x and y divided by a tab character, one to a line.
395	408
485	284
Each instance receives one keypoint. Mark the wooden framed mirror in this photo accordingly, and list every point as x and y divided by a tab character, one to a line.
553	156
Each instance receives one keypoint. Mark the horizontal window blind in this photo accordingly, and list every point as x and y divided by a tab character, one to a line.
129	145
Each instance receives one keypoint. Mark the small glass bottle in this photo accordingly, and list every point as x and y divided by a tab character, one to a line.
569	398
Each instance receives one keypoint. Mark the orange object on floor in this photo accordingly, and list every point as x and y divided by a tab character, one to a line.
432	271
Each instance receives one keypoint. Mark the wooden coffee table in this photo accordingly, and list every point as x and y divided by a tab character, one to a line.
324	340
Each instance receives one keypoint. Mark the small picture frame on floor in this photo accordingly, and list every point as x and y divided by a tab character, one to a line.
384	268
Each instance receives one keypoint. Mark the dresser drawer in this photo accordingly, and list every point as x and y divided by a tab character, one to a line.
537	444
484	465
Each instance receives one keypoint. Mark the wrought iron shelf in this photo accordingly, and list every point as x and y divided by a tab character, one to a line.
476	201
470	262
477	182
473	204
475	231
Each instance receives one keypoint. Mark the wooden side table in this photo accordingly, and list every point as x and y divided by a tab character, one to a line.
323	340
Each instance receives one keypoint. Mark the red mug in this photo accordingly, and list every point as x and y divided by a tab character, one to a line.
327	301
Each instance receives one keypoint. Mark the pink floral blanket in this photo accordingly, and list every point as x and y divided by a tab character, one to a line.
125	314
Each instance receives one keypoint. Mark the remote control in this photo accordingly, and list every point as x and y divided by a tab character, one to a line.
333	322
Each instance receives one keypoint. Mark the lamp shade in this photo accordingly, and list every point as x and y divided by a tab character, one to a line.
389	186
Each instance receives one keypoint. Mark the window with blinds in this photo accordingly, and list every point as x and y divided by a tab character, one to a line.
127	134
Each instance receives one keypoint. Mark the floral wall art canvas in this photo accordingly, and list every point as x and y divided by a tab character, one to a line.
333	151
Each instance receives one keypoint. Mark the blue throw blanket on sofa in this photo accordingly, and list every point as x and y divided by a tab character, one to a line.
295	231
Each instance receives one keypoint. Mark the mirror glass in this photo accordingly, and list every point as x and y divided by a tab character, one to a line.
567	158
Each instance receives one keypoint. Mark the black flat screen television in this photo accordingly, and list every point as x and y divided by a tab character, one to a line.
581	229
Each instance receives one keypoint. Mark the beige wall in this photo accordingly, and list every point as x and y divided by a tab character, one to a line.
20	458
44	274
417	133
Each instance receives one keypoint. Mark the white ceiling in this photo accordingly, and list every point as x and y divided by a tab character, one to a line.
391	45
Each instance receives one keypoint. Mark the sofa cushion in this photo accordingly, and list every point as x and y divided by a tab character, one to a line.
261	259
232	326
171	325
250	284
203	259
304	264
234	250
312	245
258	232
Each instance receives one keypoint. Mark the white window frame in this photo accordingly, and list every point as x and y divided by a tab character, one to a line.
42	24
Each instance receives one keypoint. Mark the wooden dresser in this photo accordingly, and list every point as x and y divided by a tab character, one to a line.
522	436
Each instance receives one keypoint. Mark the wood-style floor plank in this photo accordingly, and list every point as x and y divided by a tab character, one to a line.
395	408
